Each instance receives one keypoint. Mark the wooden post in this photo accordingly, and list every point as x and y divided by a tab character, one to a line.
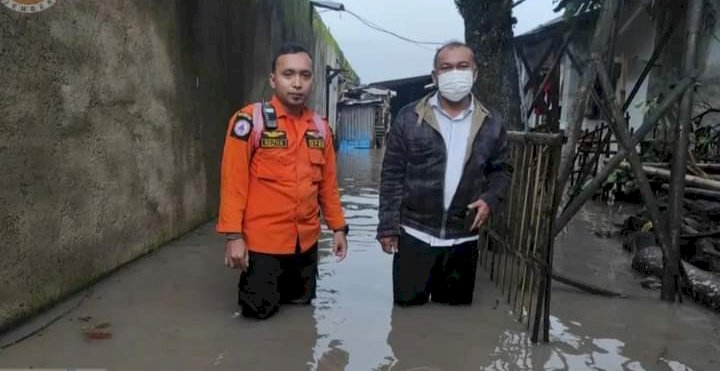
681	132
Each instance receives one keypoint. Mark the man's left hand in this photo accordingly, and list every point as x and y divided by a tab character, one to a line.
482	215
340	245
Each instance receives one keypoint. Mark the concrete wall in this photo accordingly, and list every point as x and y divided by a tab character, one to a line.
112	120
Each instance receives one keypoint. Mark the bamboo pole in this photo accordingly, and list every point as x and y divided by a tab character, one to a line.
650	64
544	163
524	226
535	223
577	110
623	135
595	290
505	223
550	211
518	147
707	184
671	276
703	193
693	168
574	206
704	166
518	217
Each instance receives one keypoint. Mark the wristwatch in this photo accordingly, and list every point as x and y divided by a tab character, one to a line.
345	228
233	236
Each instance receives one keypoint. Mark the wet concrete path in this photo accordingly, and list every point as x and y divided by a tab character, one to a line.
175	310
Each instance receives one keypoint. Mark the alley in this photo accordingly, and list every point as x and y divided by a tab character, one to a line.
175	310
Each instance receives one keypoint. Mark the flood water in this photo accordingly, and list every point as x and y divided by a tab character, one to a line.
175	310
359	329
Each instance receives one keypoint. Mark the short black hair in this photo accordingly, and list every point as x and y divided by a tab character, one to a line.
451	45
289	48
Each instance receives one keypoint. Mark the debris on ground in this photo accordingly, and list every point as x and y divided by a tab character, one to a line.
699	250
98	332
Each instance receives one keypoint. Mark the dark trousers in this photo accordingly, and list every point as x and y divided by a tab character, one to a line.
272	280
442	274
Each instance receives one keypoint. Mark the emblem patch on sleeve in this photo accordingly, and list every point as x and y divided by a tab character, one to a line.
273	139
314	140
242	127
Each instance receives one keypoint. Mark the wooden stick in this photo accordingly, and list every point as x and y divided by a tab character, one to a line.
536	222
518	216
524	225
696	181
693	168
671	275
703	193
539	242
511	207
551	212
595	290
703	166
548	139
709	234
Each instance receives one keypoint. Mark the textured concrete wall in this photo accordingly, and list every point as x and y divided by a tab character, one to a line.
112	120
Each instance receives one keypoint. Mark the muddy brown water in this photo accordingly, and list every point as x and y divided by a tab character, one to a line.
175	310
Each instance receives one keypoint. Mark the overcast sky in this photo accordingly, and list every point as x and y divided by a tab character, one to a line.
377	56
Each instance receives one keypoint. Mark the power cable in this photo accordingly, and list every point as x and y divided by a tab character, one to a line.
374	26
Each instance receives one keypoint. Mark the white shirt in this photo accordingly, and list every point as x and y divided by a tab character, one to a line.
455	132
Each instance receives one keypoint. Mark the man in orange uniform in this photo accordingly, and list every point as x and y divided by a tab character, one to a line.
278	173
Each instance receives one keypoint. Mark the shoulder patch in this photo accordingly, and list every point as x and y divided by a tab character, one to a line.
242	127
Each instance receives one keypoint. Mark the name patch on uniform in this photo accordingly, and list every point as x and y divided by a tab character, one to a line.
314	140
273	139
242	127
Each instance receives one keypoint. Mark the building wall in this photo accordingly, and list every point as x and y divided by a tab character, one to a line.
356	127
633	50
708	94
112	120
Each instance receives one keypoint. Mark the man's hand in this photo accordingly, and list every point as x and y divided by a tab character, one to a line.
340	245
236	254
482	214
389	244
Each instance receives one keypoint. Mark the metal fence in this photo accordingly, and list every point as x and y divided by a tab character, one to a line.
516	247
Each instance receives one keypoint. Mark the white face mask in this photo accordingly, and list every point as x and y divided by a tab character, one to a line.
456	84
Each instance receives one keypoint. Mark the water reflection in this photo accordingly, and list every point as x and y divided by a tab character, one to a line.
567	350
359	329
354	303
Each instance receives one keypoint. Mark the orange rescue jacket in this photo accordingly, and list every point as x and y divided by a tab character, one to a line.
275	182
